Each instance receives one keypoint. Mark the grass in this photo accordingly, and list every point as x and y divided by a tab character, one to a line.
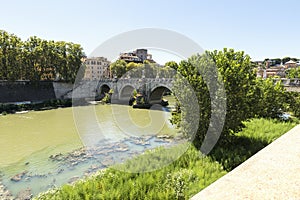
181	179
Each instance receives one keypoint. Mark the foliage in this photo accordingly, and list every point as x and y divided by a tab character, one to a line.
181	179
136	70
285	59
188	69
172	64
238	77
131	66
277	61
37	59
257	134
118	68
294	103
270	100
107	98
49	104
293	72
246	96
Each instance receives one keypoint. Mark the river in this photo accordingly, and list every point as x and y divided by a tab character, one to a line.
45	149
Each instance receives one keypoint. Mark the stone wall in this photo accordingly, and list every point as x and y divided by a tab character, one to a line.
61	89
19	91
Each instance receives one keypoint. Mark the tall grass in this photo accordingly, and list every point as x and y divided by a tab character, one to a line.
257	134
181	179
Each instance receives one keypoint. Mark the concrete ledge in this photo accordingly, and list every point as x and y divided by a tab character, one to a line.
272	173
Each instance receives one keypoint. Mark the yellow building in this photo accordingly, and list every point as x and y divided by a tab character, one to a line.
96	68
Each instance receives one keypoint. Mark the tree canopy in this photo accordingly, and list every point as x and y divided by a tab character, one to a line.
246	96
37	59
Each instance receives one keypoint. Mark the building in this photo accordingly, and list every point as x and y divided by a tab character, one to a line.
137	56
290	64
271	72
96	68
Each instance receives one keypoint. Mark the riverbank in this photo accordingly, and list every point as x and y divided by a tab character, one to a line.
36	106
81	163
4	193
181	179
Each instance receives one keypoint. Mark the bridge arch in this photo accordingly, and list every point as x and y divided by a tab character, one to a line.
157	93
104	88
125	92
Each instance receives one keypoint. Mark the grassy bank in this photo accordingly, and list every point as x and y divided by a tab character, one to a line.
181	179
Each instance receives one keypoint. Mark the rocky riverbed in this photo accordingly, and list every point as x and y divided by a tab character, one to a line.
5	194
82	162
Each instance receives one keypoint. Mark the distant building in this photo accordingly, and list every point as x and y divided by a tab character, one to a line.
96	68
137	56
269	68
290	64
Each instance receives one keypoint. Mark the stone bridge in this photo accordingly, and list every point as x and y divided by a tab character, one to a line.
290	84
151	88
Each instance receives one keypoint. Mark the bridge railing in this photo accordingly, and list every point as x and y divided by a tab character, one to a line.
288	82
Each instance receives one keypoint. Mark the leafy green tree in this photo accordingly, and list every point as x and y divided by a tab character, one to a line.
293	72
188	69
37	59
294	103
34	56
277	61
73	58
118	68
146	62
285	59
10	47
270	99
172	64
239	79
131	65
295	59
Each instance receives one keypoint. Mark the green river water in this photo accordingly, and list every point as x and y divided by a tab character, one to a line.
28	140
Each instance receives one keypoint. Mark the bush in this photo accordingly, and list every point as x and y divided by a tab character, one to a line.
270	100
294	103
48	104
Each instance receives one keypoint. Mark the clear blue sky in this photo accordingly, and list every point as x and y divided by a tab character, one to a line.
260	28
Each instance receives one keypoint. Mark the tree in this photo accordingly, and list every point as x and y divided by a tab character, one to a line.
239	81
74	55
270	99
37	59
293	72
118	68
131	65
146	62
172	64
294	103
10	48
277	61
285	59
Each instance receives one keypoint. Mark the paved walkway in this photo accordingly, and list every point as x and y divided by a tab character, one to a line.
272	173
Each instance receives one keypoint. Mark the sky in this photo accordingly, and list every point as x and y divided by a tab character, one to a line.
263	29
